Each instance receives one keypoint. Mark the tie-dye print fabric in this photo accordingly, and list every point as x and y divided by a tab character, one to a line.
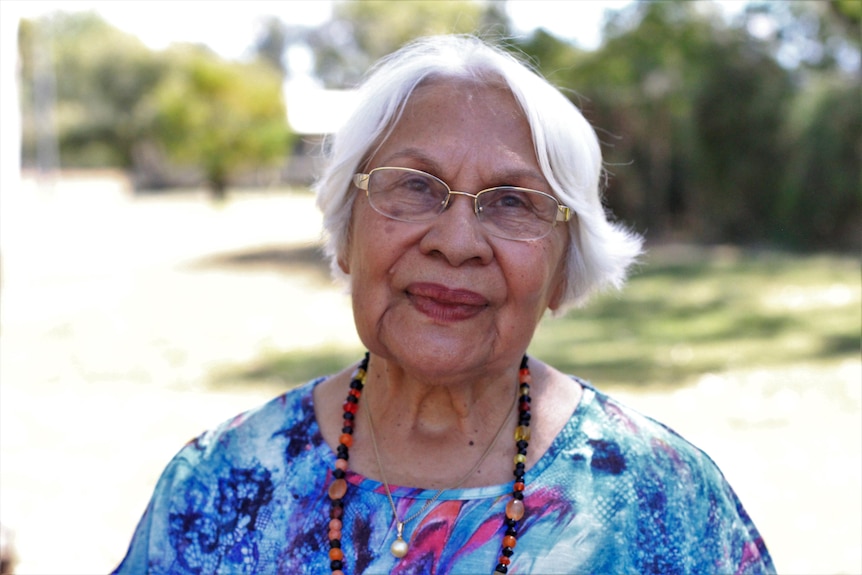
616	493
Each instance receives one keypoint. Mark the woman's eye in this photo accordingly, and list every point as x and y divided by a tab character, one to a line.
420	185
512	200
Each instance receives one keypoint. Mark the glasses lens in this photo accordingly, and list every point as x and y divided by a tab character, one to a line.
516	213
406	195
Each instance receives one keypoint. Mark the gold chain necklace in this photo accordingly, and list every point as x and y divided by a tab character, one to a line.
399	547
515	508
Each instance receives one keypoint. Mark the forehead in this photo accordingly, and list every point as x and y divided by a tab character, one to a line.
466	100
447	125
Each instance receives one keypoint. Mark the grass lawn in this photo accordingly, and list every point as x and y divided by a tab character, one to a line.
690	311
685	312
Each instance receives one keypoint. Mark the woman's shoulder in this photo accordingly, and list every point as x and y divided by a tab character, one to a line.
612	437
256	435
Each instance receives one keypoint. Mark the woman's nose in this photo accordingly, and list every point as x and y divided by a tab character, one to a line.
457	235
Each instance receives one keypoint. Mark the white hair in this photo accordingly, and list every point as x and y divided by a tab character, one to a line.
567	148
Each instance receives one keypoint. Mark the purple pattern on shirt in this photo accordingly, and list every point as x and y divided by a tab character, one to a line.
615	493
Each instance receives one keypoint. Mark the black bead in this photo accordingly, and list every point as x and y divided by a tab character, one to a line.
522	444
336	565
356	384
519	495
352	399
501	569
349	416
347	429
511	523
512	532
508	551
335	543
338	474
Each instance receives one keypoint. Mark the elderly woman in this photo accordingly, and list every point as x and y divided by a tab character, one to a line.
461	202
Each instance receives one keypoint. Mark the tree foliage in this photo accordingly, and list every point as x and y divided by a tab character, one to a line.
715	130
744	131
89	78
220	116
108	100
363	31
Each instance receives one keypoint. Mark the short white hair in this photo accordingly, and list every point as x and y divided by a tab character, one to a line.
567	148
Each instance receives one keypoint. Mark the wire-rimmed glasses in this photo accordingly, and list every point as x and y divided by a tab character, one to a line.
509	212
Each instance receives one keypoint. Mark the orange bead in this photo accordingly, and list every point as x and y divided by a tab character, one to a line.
335	534
515	509
338	572
337	489
341	464
336	555
504	560
346	439
519	486
509	541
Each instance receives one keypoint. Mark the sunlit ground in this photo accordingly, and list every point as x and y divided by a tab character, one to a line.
129	325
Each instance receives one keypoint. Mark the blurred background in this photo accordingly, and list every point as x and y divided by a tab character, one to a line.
159	246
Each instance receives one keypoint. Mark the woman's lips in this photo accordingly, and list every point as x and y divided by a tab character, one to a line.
445	304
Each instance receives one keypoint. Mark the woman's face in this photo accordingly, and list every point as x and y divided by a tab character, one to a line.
445	297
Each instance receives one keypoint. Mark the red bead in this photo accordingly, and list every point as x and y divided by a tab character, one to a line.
515	509
346	439
504	560
335	534
337	489
519	486
350	407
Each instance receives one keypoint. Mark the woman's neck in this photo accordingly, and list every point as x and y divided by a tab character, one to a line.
430	435
437	408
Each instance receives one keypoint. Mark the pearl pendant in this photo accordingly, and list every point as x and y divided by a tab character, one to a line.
398	548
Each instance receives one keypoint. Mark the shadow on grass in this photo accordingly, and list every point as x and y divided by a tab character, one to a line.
281	371
306	260
680	317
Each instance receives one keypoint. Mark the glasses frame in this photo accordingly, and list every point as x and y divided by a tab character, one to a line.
361	181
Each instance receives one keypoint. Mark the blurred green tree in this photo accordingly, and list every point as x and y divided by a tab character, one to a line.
82	81
219	116
744	131
272	42
103	99
363	31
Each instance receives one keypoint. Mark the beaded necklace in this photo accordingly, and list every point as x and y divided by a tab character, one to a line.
338	487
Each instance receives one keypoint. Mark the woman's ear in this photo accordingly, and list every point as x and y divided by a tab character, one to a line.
559	292
343	263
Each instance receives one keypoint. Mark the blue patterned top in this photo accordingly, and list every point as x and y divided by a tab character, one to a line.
615	493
